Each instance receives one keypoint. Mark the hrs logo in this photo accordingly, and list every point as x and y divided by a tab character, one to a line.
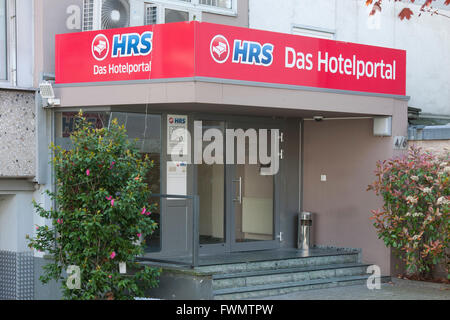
132	44
250	52
123	45
243	51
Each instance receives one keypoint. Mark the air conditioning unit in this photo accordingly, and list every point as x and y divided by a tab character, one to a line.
110	14
106	14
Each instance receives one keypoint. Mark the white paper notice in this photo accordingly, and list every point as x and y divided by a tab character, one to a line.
177	178
177	140
122	267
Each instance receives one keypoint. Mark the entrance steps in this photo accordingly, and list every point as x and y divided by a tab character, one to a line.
252	275
267	278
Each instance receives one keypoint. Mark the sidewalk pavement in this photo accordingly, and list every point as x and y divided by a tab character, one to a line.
396	290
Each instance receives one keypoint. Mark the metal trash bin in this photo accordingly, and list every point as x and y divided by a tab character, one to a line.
305	239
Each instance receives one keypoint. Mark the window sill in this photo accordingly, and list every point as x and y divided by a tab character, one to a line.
223	12
7	86
200	7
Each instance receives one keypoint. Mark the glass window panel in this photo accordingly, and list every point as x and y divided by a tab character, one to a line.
176	16
146	129
254	216
3	41
217	3
65	125
211	192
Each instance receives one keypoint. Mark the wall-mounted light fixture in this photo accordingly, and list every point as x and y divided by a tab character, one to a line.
382	126
47	92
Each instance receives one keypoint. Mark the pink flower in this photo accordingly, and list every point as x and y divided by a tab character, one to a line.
110	198
143	210
112	164
148	213
110	276
88	172
112	255
37	228
139	235
60	221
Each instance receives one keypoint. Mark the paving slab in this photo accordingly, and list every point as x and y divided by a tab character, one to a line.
396	290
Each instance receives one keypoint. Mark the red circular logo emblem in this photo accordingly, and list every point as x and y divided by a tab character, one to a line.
100	47
171	120
220	49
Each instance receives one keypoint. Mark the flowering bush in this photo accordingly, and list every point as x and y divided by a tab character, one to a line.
415	219
101	215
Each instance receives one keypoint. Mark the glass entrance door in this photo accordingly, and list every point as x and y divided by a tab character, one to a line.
253	204
211	191
238	199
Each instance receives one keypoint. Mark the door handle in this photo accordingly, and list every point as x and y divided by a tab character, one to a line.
239	198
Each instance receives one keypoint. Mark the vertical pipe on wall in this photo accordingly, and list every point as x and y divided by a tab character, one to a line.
300	169
13	41
195	225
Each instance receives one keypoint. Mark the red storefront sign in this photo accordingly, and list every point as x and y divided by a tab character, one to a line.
183	50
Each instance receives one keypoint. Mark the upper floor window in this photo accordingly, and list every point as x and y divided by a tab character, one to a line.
227	4
8	54
3	41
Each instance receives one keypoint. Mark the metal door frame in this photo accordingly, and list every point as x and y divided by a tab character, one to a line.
230	245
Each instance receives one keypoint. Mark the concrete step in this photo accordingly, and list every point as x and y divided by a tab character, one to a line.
297	262
282	275
258	291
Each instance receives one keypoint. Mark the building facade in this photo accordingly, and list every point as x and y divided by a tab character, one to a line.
324	166
18	148
424	37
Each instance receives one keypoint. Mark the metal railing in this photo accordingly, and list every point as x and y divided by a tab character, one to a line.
195	230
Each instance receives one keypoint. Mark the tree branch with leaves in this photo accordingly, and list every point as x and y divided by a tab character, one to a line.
406	12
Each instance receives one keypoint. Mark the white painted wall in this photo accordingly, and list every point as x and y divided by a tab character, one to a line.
426	39
16	220
8	224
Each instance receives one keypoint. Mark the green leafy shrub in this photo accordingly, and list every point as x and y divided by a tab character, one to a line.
102	212
415	219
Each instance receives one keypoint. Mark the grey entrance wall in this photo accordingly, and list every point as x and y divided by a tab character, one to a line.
346	151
